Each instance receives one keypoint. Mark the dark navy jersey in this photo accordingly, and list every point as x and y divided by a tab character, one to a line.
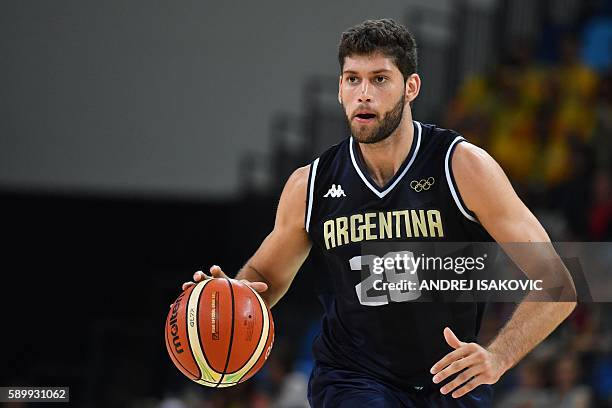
394	339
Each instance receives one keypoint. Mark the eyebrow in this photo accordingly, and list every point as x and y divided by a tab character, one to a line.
378	71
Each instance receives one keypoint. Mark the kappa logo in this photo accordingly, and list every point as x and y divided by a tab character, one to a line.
335	191
420	185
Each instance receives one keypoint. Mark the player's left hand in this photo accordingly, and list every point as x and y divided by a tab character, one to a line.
479	365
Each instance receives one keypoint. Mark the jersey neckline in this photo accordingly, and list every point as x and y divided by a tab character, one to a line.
361	169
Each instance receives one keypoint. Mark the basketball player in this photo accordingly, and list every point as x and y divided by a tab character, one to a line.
388	353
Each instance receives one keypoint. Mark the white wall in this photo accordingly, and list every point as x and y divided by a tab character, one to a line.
156	97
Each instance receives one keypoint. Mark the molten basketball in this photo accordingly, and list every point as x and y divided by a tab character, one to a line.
219	332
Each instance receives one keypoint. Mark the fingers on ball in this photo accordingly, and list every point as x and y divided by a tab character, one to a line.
198	276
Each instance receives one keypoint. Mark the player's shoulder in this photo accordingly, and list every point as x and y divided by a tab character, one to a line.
467	161
481	182
463	152
299	177
292	201
298	180
472	162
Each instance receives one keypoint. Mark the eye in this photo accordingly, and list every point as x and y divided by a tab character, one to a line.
352	79
380	79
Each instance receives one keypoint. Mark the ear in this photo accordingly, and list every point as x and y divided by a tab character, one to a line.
340	90
413	86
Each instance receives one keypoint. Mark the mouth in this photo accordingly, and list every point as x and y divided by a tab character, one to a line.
364	117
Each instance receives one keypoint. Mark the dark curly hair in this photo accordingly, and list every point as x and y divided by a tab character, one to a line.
385	36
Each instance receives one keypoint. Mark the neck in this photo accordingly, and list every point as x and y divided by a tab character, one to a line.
383	159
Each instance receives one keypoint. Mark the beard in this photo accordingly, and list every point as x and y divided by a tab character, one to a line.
369	134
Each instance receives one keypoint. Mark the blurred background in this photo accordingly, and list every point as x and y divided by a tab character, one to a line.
142	141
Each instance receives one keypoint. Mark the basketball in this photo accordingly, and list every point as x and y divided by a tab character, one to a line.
219	332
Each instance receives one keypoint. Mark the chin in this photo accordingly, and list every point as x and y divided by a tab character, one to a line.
364	136
368	137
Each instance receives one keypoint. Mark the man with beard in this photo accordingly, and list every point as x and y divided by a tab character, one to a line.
395	178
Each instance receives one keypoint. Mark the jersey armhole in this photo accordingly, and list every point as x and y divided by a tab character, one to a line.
310	193
452	185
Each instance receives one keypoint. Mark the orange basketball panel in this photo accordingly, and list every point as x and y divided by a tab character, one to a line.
248	326
215	322
267	349
177	342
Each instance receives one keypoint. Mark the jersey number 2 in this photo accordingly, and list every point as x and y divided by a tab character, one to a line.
374	290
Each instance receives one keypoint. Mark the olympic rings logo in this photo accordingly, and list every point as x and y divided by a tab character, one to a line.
420	185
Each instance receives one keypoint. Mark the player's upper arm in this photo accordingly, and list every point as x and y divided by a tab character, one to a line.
292	204
284	250
487	192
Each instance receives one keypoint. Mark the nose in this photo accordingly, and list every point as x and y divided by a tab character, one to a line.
365	94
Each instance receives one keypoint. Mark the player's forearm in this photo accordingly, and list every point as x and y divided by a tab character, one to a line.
531	323
274	292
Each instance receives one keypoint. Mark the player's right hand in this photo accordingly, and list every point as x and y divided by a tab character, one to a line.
217	272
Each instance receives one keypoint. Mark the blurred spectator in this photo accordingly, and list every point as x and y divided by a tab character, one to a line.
573	120
566	392
602	382
572	197
602	138
529	392
598	43
600	214
172	402
293	392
